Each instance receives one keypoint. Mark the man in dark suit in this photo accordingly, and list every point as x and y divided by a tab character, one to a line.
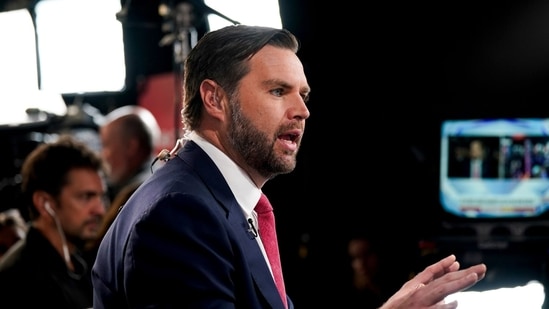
187	237
478	163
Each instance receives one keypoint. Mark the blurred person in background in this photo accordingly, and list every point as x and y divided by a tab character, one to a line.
12	228
63	184
373	277
129	136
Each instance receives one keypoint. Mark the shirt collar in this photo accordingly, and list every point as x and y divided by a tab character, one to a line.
243	188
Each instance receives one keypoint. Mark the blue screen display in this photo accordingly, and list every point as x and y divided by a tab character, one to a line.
495	168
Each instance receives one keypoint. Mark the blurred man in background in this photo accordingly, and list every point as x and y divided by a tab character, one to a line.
129	137
63	184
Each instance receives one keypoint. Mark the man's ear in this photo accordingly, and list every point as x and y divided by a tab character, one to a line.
41	201
212	95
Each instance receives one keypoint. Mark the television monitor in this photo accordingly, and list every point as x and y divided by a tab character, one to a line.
495	168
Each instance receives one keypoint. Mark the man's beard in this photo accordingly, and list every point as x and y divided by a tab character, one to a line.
256	147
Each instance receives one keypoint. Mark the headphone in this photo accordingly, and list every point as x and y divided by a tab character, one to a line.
66	254
49	209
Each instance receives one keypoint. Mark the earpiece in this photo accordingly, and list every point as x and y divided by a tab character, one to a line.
66	254
48	209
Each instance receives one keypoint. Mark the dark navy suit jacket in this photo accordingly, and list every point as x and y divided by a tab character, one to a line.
182	241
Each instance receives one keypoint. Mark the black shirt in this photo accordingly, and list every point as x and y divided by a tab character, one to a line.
34	275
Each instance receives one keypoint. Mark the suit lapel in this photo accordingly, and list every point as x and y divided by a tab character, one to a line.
258	267
219	188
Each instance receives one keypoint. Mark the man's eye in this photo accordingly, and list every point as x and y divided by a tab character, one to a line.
277	92
85	197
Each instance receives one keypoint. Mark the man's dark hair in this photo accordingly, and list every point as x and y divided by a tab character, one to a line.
222	56
47	166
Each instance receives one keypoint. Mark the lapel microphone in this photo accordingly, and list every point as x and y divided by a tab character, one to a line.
252	230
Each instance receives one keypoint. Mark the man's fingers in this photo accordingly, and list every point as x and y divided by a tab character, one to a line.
454	282
429	288
434	271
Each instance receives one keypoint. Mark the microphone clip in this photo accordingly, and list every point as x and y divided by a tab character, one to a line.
251	229
166	155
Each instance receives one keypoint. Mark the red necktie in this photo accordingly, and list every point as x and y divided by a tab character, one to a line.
267	232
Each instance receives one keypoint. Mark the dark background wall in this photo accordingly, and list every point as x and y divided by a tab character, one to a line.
384	76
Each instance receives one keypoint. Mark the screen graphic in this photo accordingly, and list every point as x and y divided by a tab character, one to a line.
495	168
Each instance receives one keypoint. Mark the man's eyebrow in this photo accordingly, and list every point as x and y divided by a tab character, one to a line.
284	84
276	82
